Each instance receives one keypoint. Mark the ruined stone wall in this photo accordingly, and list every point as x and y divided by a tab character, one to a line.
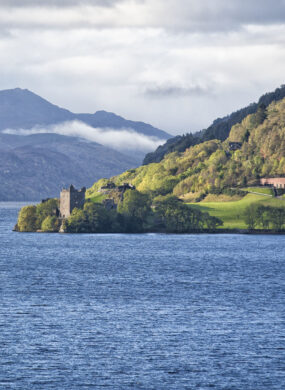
77	199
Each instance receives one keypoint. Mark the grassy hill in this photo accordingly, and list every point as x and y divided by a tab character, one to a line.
211	167
217	187
219	129
212	178
232	213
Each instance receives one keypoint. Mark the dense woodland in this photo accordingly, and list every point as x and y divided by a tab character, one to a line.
219	129
162	189
136	213
264	217
211	167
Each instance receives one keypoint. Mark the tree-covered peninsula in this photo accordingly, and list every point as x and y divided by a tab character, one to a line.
209	186
222	178
135	213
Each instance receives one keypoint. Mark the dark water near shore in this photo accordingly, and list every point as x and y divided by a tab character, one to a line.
140	311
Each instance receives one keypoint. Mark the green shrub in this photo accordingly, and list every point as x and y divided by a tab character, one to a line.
27	220
177	217
45	209
265	217
50	224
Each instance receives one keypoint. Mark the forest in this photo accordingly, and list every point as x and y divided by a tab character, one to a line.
211	167
219	129
265	217
166	192
135	214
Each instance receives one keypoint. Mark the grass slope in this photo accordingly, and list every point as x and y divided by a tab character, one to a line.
212	165
260	190
98	198
232	213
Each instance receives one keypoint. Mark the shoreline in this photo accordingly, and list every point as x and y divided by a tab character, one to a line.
220	231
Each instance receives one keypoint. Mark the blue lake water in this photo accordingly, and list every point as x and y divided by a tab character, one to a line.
140	311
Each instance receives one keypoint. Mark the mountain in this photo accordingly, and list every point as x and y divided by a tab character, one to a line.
38	166
219	129
35	166
214	166
22	109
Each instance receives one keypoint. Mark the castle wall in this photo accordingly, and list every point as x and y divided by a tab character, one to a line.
64	205
69	199
77	199
276	182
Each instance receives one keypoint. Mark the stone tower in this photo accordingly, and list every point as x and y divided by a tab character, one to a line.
69	199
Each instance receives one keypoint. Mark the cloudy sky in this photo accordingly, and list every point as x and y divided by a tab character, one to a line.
177	64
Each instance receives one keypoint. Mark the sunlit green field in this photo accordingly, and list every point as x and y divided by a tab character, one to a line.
98	198
261	190
231	213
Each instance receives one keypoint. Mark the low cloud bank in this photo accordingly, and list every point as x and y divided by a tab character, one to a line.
121	139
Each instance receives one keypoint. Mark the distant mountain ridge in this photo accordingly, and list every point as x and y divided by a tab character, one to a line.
23	109
37	166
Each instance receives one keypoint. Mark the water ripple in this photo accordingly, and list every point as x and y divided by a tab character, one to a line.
140	311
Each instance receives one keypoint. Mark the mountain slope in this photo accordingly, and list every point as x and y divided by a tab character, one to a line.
104	119
38	166
212	166
219	129
22	109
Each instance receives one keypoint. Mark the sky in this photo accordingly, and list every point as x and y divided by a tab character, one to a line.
177	64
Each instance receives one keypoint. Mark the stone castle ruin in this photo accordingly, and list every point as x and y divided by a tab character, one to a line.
114	194
69	199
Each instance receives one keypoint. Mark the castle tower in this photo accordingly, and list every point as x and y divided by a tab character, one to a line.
69	199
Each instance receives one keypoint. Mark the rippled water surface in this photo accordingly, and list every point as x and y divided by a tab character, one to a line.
140	311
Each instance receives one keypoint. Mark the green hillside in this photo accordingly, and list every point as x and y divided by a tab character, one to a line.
210	186
232	213
219	129
211	167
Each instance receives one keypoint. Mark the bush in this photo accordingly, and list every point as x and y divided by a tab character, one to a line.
264	217
94	218
50	224
77	222
250	216
45	209
135	207
27	220
177	217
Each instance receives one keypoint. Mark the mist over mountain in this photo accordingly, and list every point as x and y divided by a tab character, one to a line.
38	166
44	147
23	109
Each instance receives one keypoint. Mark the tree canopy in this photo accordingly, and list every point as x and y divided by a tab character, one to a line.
211	166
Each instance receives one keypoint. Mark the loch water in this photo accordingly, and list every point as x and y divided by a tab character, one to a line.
147	311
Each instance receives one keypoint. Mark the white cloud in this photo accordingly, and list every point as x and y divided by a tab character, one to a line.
56	3
122	140
206	15
177	64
